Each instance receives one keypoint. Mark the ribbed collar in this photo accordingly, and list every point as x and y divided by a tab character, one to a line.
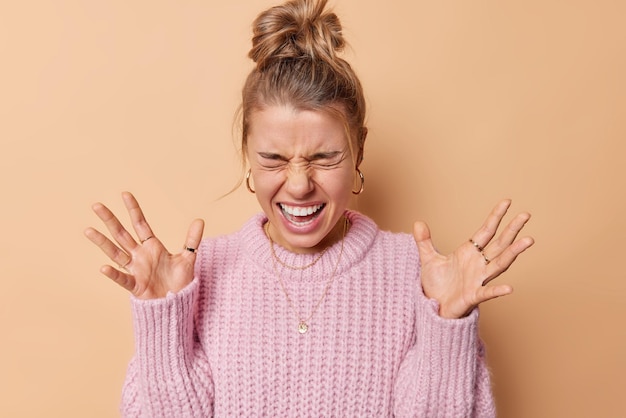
357	242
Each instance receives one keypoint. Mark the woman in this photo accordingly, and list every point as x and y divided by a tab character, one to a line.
309	309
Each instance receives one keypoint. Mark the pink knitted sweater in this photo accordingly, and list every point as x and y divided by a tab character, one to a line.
228	344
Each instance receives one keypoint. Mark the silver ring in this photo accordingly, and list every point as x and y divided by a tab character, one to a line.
144	240
191	250
475	244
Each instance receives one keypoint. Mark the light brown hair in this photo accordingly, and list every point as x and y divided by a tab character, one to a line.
295	47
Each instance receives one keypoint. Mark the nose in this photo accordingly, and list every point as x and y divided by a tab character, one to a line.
299	182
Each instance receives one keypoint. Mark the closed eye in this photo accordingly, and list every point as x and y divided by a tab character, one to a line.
330	159
327	159
271	160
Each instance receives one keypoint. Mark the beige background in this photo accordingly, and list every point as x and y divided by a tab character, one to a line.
470	101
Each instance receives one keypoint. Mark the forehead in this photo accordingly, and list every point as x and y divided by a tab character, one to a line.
284	127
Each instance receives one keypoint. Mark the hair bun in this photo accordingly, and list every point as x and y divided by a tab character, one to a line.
296	29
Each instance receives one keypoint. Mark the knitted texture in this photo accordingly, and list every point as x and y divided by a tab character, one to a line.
228	344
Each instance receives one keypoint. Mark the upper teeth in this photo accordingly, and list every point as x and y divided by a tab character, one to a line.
300	211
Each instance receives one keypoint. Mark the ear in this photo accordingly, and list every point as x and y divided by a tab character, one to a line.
361	145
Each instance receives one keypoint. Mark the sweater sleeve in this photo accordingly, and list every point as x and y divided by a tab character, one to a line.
444	374
169	375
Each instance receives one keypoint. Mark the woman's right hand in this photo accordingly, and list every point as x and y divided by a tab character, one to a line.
146	268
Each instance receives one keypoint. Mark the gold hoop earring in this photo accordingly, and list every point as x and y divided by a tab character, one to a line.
362	177
250	189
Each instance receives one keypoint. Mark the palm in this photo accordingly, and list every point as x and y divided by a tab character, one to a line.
156	271
457	281
146	268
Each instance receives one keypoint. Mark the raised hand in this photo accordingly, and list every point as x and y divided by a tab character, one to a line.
145	267
458	281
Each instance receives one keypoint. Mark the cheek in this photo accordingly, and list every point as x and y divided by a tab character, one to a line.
337	184
267	184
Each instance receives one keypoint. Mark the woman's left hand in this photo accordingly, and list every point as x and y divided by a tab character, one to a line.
458	281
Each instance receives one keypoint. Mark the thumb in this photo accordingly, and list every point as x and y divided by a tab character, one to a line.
421	234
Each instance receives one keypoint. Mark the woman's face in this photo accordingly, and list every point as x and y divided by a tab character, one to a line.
303	173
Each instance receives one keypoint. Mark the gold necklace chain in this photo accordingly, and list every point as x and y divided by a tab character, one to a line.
303	325
306	266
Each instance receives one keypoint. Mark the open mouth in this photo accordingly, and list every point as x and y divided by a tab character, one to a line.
301	215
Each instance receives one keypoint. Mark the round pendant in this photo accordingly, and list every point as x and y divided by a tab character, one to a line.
303	328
